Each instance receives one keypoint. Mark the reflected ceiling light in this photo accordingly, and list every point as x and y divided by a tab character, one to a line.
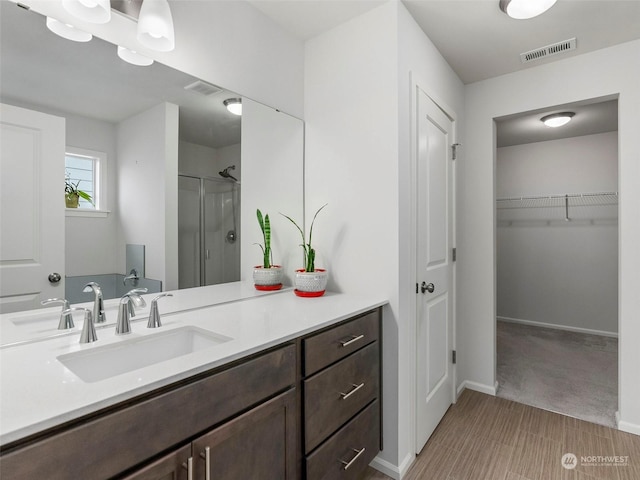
523	9
557	119
234	105
155	26
93	11
67	31
133	57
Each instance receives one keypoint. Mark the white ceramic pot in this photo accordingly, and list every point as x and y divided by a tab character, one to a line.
267	277
311	281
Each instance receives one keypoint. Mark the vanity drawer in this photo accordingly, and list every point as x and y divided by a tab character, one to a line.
347	453
336	394
327	347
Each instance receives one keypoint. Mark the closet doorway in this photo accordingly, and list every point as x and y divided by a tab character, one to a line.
557	260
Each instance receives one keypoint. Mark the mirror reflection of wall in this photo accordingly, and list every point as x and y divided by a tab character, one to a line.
109	106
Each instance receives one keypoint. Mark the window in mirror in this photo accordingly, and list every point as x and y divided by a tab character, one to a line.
87	169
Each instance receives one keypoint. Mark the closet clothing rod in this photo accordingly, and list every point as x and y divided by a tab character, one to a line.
559	196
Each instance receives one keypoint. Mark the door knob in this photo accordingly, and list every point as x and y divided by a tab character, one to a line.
54	277
427	288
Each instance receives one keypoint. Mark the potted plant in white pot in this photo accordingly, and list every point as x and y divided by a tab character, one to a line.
309	281
266	276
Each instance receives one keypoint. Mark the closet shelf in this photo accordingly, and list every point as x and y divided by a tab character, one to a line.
563	200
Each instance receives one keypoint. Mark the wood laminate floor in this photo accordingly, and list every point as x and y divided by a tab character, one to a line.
483	437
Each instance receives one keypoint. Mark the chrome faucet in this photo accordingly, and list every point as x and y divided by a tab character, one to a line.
132	309
88	334
154	314
133	275
66	319
123	326
98	305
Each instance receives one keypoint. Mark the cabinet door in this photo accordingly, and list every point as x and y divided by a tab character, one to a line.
260	444
173	466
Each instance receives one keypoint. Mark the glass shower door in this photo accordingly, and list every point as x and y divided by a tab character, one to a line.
188	232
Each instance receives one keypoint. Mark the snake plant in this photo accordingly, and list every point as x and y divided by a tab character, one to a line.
309	252
265	226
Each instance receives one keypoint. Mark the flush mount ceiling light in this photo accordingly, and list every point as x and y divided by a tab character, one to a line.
557	119
67	31
523	9
234	105
133	57
155	26
92	11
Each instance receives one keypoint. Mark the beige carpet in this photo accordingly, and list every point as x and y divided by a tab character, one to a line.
567	372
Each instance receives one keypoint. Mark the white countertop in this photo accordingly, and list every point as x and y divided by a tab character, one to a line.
39	392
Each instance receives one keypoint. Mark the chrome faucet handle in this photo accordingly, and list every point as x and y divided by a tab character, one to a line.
98	305
88	334
66	319
123	325
154	314
133	275
136	300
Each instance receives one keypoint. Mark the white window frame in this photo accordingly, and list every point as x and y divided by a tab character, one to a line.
100	185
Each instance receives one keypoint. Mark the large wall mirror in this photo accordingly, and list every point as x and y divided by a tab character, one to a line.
169	147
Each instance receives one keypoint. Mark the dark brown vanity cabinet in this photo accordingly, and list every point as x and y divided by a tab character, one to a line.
146	436
341	399
307	409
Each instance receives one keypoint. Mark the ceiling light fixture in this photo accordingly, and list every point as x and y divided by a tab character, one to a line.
133	57
523	9
155	26
234	105
92	11
67	31
557	119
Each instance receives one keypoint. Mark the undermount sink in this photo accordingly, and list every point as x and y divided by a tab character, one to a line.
100	363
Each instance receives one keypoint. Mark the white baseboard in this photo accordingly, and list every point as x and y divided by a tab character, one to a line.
628	427
478	387
559	327
391	470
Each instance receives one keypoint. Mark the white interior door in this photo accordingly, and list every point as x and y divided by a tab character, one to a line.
434	336
31	208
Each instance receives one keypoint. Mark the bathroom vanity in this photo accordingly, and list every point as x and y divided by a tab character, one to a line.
292	391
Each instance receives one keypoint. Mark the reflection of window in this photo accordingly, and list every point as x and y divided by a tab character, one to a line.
87	168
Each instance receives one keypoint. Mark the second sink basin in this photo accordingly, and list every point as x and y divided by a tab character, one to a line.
100	363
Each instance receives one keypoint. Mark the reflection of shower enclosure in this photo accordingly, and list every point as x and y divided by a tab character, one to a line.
208	236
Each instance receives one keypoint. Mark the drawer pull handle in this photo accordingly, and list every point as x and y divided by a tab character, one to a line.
346	343
354	390
207	462
189	467
349	463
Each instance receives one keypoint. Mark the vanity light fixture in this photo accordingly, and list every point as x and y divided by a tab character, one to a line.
557	119
67	31
234	105
155	26
133	57
92	11
524	9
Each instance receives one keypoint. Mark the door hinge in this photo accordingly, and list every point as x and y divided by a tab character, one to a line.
453	357
453	255
417	287
454	150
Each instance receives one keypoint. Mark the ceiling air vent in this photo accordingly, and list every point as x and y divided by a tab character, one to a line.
203	88
553	49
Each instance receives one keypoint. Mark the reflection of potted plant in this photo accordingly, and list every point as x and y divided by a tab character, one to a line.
72	193
266	276
310	281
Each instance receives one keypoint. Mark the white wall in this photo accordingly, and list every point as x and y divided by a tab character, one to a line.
147	176
551	271
203	161
357	113
597	74
272	181
226	42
